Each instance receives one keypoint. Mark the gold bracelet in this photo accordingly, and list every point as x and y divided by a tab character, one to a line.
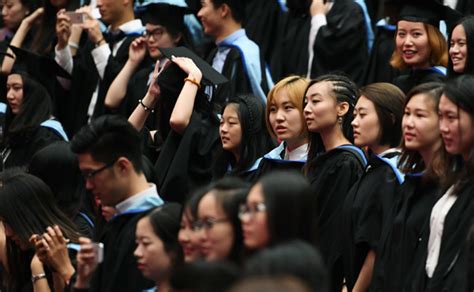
193	81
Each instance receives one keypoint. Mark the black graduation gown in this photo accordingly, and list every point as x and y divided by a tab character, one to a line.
185	161
451	273
84	81
341	45
378	68
235	71
366	210
21	153
466	7
416	77
334	173
403	243
118	271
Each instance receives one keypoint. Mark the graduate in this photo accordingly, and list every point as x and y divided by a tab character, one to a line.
461	48
377	126
237	57
424	161
333	164
244	138
285	122
98	62
453	213
420	48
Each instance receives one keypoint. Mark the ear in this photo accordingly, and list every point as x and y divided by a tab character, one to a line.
123	165
177	39
224	10
342	108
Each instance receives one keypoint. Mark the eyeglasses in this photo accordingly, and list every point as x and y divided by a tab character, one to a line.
251	210
207	224
91	173
157	33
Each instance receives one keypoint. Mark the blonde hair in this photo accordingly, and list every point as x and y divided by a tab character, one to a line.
439	50
295	87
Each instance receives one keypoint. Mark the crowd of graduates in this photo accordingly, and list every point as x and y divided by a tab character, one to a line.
231	145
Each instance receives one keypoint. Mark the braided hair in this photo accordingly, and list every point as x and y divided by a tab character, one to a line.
343	90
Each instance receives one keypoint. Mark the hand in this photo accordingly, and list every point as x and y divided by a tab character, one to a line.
86	263
63	28
33	17
319	7
188	66
154	89
137	51
92	26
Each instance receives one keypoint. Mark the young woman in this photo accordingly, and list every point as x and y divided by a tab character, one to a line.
13	13
276	210
424	161
218	224
27	210
188	237
377	126
28	122
334	164
285	122
158	250
461	49
243	136
453	213
420	47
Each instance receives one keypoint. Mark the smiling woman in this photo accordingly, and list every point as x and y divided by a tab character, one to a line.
461	50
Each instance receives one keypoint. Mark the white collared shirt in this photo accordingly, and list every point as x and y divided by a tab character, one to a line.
298	154
146	197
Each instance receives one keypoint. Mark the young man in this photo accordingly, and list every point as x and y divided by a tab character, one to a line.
99	61
110	159
237	57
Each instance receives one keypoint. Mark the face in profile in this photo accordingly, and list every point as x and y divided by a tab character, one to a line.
13	12
254	220
412	43
420	124
321	112
366	124
152	258
216	233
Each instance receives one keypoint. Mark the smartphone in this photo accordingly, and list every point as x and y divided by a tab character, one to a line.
76	17
99	251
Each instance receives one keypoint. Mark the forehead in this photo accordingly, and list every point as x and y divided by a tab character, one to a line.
421	101
150	26
281	96
447	104
365	103
409	25
231	111
86	161
255	194
459	31
15	78
322	88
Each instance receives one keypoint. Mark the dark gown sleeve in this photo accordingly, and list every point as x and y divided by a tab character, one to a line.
345	32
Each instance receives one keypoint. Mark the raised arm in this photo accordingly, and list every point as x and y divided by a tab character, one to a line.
183	108
19	38
118	88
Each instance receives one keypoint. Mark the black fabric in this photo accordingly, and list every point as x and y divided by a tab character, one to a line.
451	273
416	77
465	6
118	271
267	166
335	172
403	243
366	211
185	162
345	32
378	68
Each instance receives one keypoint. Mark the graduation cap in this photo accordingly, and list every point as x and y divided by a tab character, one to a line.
167	15
40	68
209	74
427	11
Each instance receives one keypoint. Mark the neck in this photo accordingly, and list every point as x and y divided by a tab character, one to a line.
295	143
427	155
236	156
137	184
229	28
163	286
377	149
333	138
126	17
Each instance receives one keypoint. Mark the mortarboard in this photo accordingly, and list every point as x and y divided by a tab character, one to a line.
40	68
427	11
209	74
167	15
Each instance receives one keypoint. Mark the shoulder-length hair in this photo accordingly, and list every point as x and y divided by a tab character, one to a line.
388	101
343	90
439	50
255	141
411	160
295	87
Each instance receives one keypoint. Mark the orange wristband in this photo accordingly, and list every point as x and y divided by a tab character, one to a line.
193	81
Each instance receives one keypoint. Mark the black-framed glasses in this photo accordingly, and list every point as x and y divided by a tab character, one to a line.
91	173
156	33
207	224
251	210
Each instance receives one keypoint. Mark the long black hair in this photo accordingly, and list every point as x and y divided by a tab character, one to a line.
255	141
36	108
468	25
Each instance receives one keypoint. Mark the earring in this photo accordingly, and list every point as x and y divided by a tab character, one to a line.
339	119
